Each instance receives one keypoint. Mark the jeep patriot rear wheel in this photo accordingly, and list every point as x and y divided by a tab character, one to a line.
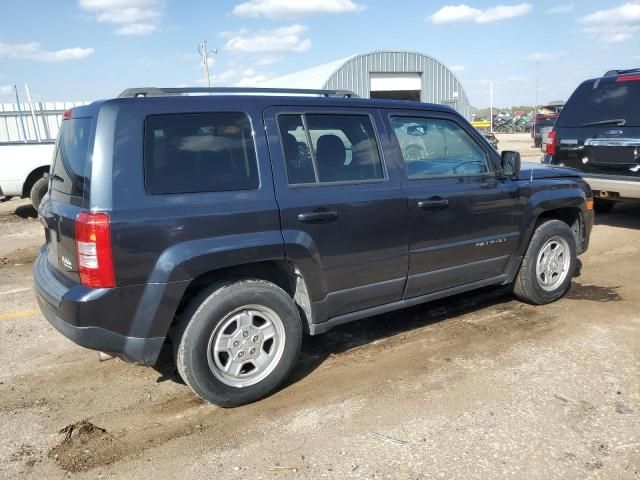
239	341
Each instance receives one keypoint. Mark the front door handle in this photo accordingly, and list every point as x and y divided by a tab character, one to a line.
434	203
324	216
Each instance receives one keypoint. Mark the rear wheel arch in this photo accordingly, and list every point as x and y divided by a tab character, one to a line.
281	273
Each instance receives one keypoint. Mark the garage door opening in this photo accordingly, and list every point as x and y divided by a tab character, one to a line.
396	86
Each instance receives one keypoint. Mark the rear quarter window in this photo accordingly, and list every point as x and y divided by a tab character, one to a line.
199	152
70	159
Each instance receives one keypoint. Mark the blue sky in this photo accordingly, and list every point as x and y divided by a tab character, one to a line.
89	49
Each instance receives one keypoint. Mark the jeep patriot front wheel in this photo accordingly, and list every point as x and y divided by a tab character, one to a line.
549	264
239	341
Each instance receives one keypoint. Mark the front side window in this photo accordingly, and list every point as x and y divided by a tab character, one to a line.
326	148
199	152
433	147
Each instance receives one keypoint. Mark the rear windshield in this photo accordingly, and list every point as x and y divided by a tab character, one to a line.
199	152
600	101
70	158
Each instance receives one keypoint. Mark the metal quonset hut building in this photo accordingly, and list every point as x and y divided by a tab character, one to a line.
384	74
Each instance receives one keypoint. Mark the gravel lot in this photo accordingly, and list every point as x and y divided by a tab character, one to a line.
475	386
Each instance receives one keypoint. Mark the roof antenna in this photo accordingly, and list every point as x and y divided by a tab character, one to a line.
204	54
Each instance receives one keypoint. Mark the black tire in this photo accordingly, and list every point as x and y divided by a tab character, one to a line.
602	205
208	311
527	286
38	191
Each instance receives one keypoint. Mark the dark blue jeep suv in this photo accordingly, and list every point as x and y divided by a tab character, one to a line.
230	223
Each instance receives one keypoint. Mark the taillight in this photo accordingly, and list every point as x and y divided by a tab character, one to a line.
67	114
93	247
551	145
628	78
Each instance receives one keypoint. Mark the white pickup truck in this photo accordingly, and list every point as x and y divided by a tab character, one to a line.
22	169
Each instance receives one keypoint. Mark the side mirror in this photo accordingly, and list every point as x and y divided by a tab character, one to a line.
510	163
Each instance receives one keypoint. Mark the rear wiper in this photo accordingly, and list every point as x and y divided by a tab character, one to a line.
53	176
614	121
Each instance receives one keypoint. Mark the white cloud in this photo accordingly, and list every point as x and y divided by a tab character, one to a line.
127	15
34	51
136	29
546	56
268	59
239	77
457	68
289	9
6	90
135	17
455	13
562	8
285	39
465	13
613	25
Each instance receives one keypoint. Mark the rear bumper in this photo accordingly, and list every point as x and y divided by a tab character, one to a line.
621	188
143	351
107	320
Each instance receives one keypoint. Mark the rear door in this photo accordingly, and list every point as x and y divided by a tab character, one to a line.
598	131
464	220
343	214
68	189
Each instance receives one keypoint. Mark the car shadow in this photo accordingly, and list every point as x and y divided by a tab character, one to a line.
26	211
623	215
316	349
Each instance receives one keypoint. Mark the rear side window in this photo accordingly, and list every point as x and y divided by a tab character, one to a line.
601	101
327	148
199	152
70	159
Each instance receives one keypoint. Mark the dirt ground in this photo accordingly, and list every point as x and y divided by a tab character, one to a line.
475	386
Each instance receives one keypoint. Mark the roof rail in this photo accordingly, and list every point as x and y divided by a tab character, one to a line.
161	92
622	72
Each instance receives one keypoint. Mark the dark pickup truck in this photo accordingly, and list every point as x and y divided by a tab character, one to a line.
230	224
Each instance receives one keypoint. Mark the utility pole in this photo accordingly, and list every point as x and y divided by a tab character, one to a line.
537	81
491	104
204	54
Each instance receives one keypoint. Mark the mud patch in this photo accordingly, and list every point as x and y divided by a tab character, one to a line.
594	293
86	446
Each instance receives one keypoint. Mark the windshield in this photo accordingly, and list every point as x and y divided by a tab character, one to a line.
68	172
604	103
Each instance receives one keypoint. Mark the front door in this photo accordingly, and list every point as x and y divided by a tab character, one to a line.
343	213
464	225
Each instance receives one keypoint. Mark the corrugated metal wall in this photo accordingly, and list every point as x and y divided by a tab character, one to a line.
44	129
439	84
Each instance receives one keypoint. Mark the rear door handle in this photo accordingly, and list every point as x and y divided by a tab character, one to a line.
318	217
436	203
